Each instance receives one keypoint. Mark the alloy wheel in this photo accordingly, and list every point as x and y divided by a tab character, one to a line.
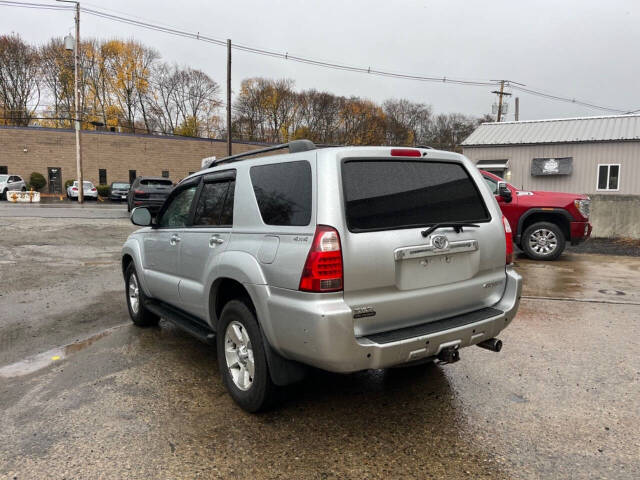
239	355
543	241
134	294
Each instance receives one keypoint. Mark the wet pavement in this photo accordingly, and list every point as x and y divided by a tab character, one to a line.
84	394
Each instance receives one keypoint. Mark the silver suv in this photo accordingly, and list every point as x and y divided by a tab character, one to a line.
344	259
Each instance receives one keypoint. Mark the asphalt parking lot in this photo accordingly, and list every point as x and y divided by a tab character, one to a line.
84	394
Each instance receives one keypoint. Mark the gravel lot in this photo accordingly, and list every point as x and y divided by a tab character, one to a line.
84	394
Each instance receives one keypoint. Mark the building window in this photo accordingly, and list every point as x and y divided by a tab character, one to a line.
102	176
609	177
165	173
132	176
4	170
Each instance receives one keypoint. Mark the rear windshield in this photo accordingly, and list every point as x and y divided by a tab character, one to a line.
283	192
392	194
123	186
156	182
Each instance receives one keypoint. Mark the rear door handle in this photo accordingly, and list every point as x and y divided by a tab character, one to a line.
215	240
174	239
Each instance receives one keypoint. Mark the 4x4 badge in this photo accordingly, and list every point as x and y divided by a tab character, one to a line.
440	242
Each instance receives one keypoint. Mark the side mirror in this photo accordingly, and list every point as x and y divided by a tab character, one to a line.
141	216
504	192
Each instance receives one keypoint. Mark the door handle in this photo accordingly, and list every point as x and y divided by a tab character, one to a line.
174	239
215	240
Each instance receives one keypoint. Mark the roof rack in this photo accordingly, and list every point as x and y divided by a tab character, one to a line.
294	146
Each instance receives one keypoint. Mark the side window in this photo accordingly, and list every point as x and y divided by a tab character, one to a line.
215	206
493	185
283	192
176	214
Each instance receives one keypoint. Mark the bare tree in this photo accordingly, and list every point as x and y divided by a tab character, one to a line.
19	80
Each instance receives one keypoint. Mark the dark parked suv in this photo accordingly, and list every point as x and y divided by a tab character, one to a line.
150	192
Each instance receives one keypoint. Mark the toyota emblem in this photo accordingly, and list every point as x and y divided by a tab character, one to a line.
440	242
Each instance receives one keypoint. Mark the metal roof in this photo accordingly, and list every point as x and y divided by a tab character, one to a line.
560	130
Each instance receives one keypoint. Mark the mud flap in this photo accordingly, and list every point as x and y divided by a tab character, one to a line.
283	371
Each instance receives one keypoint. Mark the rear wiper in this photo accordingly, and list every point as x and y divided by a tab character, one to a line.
456	226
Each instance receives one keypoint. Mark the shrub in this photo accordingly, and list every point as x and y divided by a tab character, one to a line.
37	181
68	183
103	190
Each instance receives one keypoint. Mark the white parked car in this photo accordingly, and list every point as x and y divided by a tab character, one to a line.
90	191
10	183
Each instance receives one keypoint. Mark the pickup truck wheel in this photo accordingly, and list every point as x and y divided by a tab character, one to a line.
543	241
242	358
135	300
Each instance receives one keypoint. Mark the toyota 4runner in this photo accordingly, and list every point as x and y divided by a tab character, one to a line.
344	259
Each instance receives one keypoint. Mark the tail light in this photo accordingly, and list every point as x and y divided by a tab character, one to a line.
94	189
323	269
140	193
405	152
508	237
75	189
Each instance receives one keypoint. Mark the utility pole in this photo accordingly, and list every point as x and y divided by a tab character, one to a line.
229	146
76	62
500	93
517	113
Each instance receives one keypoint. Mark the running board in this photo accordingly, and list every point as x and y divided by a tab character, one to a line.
182	320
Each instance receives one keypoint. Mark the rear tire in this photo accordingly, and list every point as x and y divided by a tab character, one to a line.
136	300
3	196
242	358
543	241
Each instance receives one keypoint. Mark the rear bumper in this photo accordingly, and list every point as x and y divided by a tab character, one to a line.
321	333
580	231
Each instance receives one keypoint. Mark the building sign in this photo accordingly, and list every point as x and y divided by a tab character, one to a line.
551	166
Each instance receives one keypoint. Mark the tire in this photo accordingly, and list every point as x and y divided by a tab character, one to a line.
3	196
543	241
239	341
24	189
138	313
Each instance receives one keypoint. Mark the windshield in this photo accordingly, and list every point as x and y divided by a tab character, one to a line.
121	186
3	178
84	184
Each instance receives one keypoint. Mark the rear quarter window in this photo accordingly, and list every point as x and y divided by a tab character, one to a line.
283	192
393	194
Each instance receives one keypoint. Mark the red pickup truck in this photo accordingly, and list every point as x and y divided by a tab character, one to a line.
542	222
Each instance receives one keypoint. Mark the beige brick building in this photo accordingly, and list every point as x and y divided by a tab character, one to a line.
107	156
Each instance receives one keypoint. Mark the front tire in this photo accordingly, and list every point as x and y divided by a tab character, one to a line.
136	300
242	358
543	241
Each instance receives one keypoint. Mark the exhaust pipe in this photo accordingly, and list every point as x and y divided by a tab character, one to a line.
492	344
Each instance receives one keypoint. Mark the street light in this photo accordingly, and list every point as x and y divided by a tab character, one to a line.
74	44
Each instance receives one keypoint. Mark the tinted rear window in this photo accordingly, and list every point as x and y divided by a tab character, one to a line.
156	182
390	194
283	192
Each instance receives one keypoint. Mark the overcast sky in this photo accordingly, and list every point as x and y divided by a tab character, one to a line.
584	49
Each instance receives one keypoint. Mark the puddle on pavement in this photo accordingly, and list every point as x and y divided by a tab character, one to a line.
44	359
581	278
